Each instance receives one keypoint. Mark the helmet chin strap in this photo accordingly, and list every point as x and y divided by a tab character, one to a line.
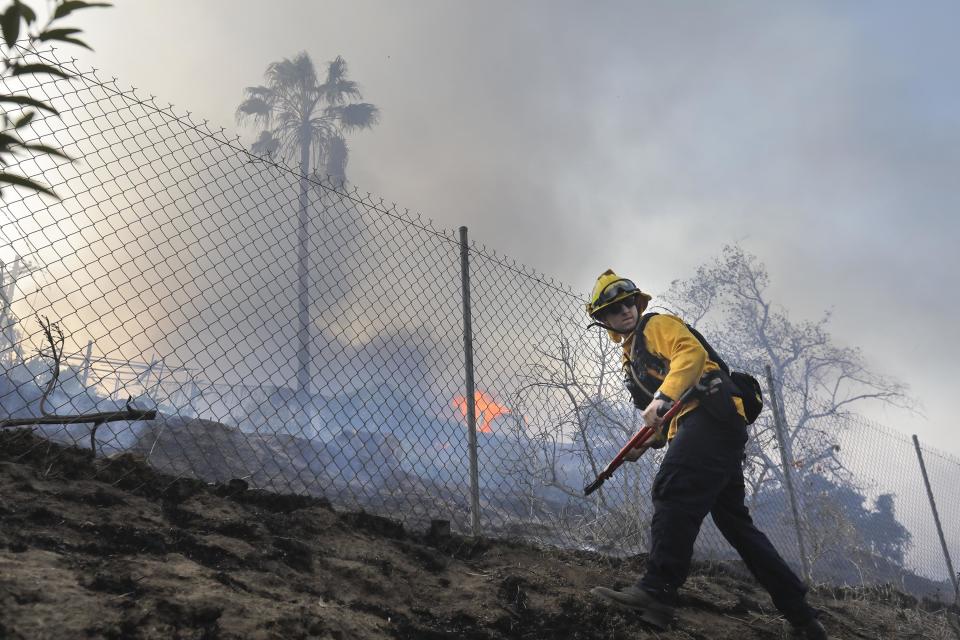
597	323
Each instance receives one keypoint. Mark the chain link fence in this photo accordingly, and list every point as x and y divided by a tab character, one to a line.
171	265
865	516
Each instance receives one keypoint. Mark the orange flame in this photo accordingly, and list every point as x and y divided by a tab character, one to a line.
487	409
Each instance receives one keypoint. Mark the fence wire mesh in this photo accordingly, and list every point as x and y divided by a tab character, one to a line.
865	516
320	351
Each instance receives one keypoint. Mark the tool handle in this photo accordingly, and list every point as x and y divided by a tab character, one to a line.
638	440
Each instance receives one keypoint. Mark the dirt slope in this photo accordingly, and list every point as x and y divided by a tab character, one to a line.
110	549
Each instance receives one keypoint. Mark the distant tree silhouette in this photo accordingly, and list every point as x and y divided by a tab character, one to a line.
304	120
886	535
847	540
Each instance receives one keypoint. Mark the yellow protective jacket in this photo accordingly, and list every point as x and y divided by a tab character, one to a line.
668	338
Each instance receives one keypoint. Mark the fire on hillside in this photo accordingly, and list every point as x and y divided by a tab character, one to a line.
487	409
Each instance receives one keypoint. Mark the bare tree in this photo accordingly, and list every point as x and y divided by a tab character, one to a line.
571	415
820	381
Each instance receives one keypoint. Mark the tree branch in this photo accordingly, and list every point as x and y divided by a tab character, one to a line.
55	339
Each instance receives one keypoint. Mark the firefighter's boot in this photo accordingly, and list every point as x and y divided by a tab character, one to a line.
652	611
811	630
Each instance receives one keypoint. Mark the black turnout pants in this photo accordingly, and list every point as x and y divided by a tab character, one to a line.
702	473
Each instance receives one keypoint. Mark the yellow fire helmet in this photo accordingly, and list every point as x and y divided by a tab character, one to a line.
611	288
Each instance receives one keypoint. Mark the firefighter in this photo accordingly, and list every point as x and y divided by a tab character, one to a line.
701	472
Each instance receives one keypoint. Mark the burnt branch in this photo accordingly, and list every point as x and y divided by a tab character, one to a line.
129	413
54	351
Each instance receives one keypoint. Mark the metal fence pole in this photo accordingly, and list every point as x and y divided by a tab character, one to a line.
470	398
936	518
786	459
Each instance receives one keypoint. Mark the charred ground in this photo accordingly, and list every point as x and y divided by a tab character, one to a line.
108	548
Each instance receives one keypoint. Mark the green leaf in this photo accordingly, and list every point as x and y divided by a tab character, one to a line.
57	34
24	120
27	13
12	178
42	148
8	140
24	69
61	38
10	22
68	7
73	5
30	102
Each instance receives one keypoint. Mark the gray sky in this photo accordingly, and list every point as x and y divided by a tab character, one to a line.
639	135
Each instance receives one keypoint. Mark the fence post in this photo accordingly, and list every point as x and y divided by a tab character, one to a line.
787	459
936	518
470	398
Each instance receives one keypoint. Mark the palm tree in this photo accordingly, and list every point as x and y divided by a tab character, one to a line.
301	119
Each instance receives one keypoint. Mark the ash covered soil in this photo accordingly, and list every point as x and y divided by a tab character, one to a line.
108	548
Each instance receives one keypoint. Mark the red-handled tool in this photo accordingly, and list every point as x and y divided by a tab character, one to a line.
637	440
